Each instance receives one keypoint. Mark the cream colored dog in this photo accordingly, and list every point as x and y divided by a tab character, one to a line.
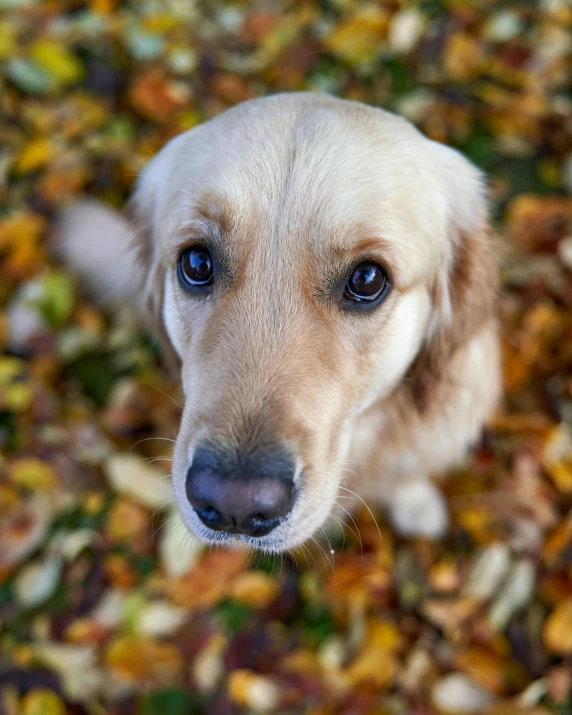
324	276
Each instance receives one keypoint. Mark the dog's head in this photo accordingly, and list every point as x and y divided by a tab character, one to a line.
304	257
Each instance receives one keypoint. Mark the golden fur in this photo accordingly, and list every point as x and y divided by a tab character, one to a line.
293	190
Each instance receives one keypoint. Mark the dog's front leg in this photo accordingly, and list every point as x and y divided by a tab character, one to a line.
418	508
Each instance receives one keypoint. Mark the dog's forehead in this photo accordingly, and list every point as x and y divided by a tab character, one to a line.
328	175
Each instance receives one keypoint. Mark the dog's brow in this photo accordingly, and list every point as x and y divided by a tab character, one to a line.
210	222
214	210
194	230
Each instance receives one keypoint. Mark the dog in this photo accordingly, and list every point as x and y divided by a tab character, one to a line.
324	278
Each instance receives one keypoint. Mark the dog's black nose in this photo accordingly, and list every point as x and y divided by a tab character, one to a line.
241	494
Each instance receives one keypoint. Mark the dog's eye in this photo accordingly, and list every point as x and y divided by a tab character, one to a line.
367	282
195	267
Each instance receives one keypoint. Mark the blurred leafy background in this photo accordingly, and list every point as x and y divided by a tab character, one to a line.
105	605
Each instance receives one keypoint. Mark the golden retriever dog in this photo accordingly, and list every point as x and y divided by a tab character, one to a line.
323	275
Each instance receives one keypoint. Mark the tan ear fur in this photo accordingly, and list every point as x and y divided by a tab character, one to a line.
151	298
464	297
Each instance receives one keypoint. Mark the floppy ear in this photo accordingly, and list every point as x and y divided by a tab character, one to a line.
143	210
465	286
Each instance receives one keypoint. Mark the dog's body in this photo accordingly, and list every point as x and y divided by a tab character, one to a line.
288	195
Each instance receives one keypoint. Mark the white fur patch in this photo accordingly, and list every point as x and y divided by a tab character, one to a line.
418	509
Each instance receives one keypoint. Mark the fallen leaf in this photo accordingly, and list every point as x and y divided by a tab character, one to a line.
359	38
40	701
455	694
32	473
255	588
37	582
140	658
253	691
558	629
131	476
126	521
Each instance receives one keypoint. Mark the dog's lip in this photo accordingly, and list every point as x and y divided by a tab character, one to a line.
266	543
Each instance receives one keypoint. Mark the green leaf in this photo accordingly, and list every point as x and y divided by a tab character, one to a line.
233	615
401	79
172	701
480	148
57	301
95	374
317	625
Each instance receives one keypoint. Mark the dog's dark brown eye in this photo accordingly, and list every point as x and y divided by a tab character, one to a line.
366	283
195	267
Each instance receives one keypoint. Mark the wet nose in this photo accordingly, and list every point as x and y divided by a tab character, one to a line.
241	494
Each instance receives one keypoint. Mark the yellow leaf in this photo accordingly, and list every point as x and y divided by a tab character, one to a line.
159	23
41	701
10	368
103	7
56	61
377	662
32	473
35	155
126	521
7	40
137	659
360	38
16	397
250	690
557	458
20	226
255	588
20	235
558	629
464	57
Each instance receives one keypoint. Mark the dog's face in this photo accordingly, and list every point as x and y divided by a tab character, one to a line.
299	250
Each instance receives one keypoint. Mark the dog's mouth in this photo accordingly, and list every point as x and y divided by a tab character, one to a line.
278	539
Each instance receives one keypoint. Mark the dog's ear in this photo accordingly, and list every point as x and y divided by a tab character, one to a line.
465	285
143	210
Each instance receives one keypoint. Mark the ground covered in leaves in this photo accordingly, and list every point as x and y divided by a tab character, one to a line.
105	605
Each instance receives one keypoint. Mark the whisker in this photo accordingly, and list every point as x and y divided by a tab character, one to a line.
358	535
293	556
180	188
162	392
329	425
148	439
343	526
173	527
367	507
306	549
330	563
328	540
305	557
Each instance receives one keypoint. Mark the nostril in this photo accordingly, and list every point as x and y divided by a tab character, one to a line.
258	525
209	512
211	517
